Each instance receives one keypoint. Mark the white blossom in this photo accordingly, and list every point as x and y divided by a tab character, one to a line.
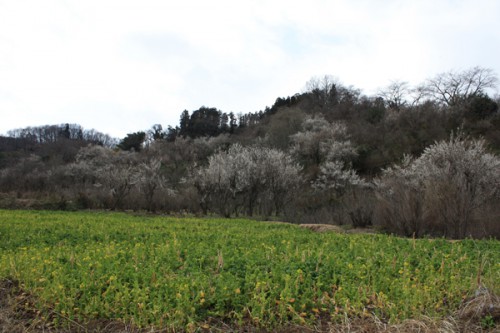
452	179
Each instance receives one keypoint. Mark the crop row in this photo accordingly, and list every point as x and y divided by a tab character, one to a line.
163	271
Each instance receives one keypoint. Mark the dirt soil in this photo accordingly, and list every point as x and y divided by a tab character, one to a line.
336	228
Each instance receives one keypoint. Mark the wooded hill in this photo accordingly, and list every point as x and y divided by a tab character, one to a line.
411	160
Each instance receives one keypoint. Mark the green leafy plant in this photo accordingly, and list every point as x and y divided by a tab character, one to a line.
158	271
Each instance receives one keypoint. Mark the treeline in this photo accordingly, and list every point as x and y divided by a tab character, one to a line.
206	122
55	143
32	136
410	160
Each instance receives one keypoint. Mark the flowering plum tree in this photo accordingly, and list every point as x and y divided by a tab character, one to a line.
246	177
444	187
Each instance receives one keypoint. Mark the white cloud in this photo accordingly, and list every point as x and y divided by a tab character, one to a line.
122	66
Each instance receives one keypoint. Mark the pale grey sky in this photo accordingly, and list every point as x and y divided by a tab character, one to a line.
120	66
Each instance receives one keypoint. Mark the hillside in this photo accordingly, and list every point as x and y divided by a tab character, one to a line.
327	155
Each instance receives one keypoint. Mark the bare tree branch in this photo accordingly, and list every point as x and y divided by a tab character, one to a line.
456	88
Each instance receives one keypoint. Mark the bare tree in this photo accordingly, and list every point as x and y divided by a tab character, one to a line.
99	138
418	94
324	89
396	94
455	88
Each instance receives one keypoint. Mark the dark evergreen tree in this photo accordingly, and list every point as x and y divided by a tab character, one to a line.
481	107
233	123
65	132
184	123
133	141
172	133
224	123
204	122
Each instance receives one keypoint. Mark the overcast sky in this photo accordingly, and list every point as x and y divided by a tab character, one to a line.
122	66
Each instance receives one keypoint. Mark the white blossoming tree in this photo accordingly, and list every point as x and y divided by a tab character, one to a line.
109	172
444	187
149	179
244	177
327	154
320	141
112	177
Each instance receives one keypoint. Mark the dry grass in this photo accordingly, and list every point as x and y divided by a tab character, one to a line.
483	304
479	313
323	228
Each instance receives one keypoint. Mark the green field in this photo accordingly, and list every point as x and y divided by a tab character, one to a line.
184	273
